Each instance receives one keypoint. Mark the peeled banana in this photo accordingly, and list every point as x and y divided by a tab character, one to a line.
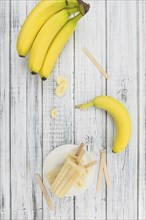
45	37
120	115
57	45
35	20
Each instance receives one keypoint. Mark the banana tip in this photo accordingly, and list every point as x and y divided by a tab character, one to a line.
33	73
21	56
114	152
77	106
44	78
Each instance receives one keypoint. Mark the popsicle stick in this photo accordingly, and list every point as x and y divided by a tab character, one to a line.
99	67
100	173
79	149
93	163
80	156
45	193
106	173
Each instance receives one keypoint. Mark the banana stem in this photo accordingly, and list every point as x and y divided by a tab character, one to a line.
76	18
84	7
81	5
84	106
72	11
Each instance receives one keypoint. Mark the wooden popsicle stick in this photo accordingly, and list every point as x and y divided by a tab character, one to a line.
99	67
100	173
45	193
93	163
103	168
80	156
79	149
106	173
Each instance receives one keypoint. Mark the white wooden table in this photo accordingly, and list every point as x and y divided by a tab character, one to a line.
115	32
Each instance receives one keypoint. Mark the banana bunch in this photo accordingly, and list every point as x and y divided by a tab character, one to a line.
45	32
120	116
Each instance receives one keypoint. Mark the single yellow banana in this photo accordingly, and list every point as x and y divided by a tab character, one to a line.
35	20
45	37
57	45
119	114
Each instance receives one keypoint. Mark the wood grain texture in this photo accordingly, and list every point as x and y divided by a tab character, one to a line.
4	112
19	192
122	69
115	33
142	112
59	131
34	146
90	124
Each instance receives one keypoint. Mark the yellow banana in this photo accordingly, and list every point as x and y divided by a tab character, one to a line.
119	114
35	20
45	37
57	45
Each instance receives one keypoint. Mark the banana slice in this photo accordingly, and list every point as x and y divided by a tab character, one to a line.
61	79
60	90
62	86
54	113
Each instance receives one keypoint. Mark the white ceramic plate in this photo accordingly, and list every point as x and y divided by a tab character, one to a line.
58	156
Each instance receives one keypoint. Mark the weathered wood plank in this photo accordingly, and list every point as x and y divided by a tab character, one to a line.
90	124
142	111
4	112
19	192
60	130
122	67
33	139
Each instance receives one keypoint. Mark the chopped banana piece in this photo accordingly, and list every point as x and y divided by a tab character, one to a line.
61	79
62	86
54	113
60	90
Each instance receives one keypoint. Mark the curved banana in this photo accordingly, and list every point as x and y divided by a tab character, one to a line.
119	114
35	20
57	45
45	37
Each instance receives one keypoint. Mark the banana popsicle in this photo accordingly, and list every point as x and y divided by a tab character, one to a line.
66	178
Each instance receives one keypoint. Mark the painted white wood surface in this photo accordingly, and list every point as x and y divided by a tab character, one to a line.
18	118
4	112
142	115
122	67
115	32
33	139
59	131
88	84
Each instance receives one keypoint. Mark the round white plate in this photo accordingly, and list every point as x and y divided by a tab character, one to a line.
58	156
